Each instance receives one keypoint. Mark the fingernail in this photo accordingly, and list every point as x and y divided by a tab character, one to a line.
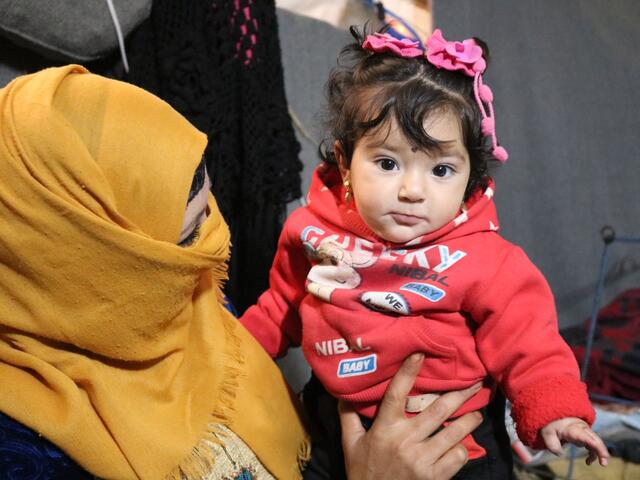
604	462
417	357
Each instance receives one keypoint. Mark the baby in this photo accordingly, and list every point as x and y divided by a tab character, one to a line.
398	251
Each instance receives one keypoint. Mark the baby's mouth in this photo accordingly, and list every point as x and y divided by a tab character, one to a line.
408	220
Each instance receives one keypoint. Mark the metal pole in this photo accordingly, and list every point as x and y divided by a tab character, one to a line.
608	236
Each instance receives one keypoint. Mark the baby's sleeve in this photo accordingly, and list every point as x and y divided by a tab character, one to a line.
519	343
274	319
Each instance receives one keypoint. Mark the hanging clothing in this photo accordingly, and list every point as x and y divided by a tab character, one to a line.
114	343
219	64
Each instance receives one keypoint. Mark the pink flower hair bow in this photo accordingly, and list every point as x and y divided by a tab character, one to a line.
465	55
383	42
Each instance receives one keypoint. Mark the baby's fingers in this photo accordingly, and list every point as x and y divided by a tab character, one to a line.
597	448
586	437
603	458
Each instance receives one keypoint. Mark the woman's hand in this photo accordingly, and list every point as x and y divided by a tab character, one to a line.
576	431
404	448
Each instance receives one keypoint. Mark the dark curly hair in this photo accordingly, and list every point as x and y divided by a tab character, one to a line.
365	88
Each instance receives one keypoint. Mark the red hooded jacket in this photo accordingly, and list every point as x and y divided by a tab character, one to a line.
472	302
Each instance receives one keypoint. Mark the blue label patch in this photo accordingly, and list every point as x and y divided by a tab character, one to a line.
357	366
425	290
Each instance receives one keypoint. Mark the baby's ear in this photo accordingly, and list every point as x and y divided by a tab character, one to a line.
341	160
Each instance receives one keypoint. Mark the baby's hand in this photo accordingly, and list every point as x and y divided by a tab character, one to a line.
576	431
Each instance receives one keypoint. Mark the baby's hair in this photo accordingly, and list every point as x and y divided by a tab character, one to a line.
365	88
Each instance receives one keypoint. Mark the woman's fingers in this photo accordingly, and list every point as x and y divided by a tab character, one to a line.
432	417
399	447
352	429
449	463
394	400
437	446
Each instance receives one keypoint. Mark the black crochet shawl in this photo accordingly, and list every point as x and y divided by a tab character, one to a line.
219	64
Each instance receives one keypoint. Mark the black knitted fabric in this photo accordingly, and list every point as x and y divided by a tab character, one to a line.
219	64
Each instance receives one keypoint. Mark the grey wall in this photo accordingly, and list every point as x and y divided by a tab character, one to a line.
565	76
309	51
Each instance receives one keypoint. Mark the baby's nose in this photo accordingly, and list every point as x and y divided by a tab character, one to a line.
413	187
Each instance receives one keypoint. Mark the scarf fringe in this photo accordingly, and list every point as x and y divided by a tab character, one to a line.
303	457
220	275
219	269
199	463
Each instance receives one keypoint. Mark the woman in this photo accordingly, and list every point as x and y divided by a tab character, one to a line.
114	341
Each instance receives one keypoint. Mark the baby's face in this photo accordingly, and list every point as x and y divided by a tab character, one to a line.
196	212
403	193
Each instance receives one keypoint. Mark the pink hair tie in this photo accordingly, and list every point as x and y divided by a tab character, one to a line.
383	42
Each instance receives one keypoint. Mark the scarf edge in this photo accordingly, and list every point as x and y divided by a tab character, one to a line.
200	460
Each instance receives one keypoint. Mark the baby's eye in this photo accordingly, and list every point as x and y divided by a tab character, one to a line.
442	170
387	164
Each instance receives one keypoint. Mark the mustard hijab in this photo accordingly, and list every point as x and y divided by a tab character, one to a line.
114	344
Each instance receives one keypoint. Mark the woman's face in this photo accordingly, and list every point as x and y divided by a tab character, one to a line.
196	212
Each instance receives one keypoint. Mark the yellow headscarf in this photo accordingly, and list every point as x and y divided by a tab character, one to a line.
113	341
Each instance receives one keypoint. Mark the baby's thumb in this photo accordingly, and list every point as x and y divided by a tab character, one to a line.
552	442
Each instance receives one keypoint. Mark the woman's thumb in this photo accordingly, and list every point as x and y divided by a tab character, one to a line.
352	429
